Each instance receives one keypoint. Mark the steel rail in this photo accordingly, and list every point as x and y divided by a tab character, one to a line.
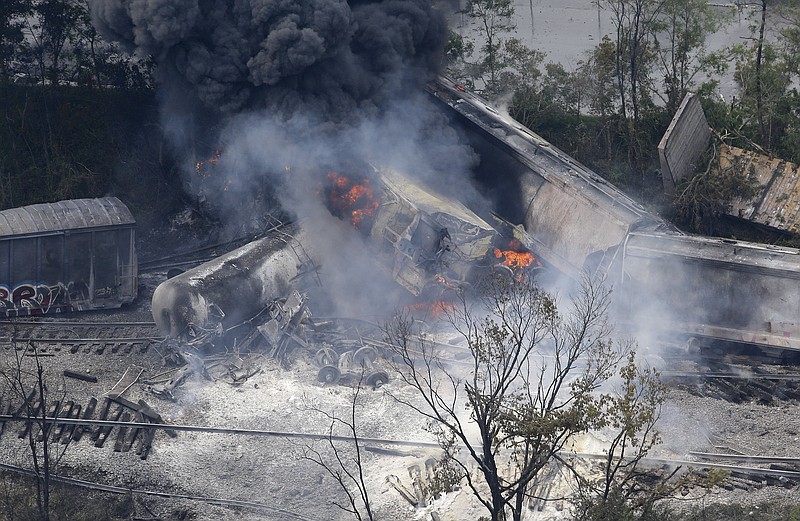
746	458
212	430
77	322
730	376
92	485
698	464
80	340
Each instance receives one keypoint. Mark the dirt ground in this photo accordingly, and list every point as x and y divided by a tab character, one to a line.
271	470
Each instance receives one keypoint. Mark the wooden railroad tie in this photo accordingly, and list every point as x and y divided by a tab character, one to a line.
114	408
87	414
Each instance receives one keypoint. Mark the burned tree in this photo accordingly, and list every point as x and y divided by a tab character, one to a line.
343	461
29	386
531	386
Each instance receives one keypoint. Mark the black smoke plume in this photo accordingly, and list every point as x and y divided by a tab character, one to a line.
260	98
327	57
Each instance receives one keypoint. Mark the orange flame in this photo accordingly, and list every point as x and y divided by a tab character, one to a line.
347	198
433	309
200	166
517	256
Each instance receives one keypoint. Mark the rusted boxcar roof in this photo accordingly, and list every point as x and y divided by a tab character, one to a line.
72	214
777	200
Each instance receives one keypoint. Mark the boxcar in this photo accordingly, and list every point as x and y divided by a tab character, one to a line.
67	256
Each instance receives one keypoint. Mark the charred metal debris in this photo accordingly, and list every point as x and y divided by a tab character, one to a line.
345	351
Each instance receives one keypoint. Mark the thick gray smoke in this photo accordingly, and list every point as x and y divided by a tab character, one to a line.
281	91
325	57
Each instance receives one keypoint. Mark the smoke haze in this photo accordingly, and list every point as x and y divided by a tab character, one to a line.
281	91
327	57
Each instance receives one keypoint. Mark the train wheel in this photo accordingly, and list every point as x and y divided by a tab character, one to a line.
326	356
329	374
377	379
365	356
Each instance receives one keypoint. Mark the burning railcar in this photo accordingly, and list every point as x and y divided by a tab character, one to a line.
67	256
421	239
681	285
424	241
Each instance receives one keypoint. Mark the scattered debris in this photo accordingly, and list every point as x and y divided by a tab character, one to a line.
80	376
129	377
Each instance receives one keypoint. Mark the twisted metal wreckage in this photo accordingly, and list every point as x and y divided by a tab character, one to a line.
425	242
684	287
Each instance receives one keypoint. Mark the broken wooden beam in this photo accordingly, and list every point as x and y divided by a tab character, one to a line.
104	432
122	432
80	376
103	416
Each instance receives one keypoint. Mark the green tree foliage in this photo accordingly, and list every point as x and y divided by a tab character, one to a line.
765	110
60	136
502	64
52	42
495	22
52	26
620	492
532	385
635	23
12	13
684	27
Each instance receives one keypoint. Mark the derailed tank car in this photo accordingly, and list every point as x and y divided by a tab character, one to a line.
230	289
421	238
716	288
67	256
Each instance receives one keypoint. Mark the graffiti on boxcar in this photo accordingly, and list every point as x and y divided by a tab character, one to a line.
33	299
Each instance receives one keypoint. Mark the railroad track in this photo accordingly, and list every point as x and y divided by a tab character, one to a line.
93	485
190	258
51	336
114	418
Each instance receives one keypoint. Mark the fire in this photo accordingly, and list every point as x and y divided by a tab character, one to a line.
443	281
200	166
517	256
347	198
434	309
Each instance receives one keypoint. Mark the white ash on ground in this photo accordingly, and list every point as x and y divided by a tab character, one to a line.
271	471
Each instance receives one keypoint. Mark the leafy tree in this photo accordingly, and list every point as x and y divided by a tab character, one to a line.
532	383
503	63
52	25
684	28
632	413
789	14
552	104
495	20
635	23
763	80
12	14
602	66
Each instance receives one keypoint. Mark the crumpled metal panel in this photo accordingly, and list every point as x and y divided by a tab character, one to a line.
422	238
573	215
64	215
777	201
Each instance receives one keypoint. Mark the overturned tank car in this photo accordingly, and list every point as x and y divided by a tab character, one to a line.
224	292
